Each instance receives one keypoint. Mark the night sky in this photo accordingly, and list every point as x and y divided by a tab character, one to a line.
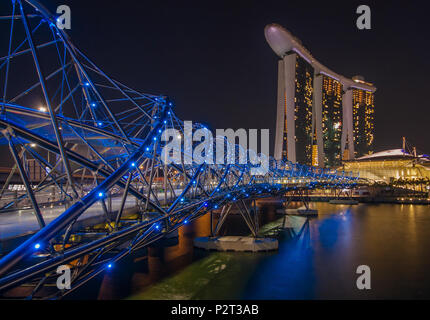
212	59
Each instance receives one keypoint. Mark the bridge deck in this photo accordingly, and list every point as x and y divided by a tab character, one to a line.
21	222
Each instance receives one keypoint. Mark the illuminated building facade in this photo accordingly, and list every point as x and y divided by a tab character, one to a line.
303	111
314	101
389	166
363	118
295	109
315	160
331	121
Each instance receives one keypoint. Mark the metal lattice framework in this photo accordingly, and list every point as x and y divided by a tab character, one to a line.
99	146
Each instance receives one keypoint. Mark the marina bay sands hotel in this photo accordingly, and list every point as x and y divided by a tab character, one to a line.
322	117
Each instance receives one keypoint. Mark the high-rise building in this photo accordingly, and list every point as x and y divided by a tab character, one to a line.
363	117
316	103
303	110
331	117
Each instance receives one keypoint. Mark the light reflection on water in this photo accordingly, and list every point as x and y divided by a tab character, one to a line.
393	240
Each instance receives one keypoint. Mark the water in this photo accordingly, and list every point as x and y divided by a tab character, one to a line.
393	240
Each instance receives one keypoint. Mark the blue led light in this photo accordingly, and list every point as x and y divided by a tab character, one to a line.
157	227
165	121
100	124
87	84
93	104
37	246
147	148
109	265
100	194
133	164
185	221
155	138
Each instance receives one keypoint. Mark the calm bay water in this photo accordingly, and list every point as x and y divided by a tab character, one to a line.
393	240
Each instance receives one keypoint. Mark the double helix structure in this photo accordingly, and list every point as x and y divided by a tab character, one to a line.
87	151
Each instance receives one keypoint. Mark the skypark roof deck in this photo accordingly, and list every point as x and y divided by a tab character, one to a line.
282	42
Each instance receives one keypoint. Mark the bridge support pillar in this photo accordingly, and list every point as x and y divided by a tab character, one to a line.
249	214
302	197
300	194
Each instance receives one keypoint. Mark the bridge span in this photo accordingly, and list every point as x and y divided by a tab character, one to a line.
102	190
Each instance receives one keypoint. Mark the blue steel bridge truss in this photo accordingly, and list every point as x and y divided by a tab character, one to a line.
97	140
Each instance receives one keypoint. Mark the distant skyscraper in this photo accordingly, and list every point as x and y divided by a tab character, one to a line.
331	121
363	118
317	104
303	110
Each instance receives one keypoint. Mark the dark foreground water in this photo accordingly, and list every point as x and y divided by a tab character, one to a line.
393	240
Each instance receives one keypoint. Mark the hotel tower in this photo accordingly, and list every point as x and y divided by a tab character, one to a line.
322	117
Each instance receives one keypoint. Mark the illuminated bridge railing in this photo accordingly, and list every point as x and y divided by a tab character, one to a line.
99	141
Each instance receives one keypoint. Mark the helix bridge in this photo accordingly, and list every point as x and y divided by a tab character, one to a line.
102	190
